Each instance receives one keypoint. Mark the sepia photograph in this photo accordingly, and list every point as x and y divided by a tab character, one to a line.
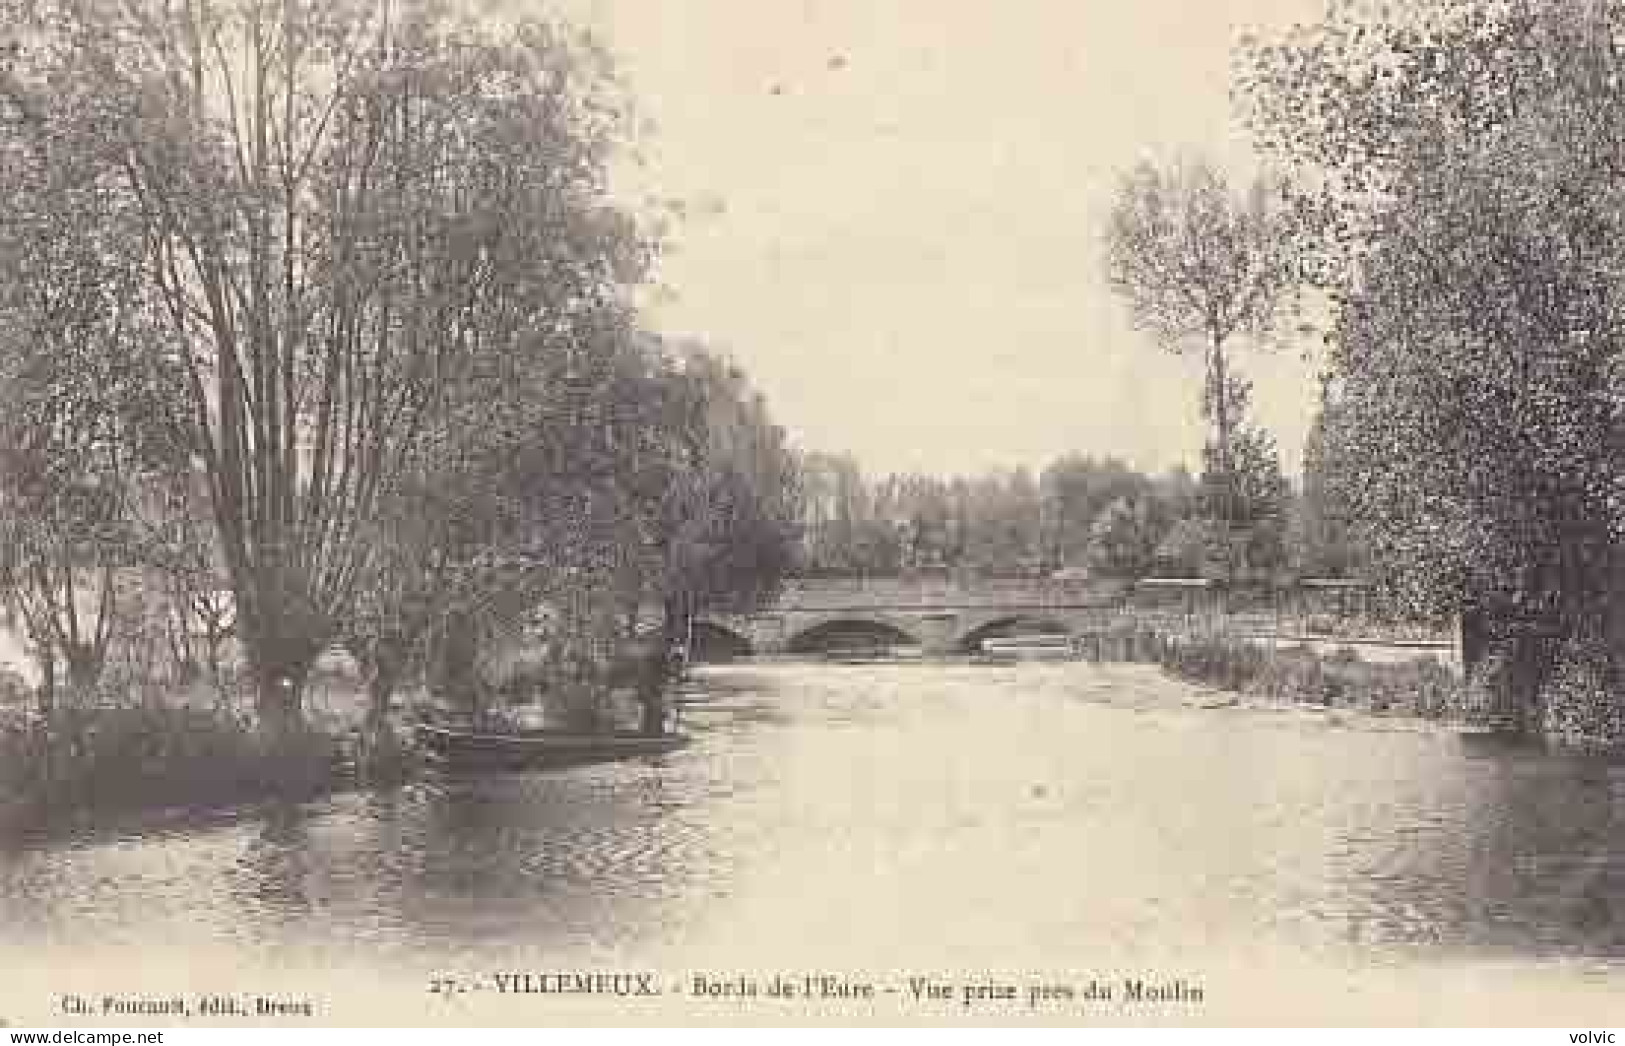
907	513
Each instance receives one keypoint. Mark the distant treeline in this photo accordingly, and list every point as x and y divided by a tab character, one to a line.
1080	513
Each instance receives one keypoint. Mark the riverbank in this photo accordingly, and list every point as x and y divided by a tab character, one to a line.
82	764
90	765
1577	710
1423	688
1423	693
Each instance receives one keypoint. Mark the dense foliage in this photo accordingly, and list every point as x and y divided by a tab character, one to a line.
1200	265
1463	157
326	306
1462	160
1090	515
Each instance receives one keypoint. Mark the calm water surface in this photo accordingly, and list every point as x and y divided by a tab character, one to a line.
952	815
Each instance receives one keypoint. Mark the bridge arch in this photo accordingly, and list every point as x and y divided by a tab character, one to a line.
714	641
1007	626
846	632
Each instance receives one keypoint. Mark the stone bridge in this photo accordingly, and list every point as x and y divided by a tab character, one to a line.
939	616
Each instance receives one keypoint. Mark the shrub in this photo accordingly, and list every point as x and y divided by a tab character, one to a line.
1320	625
1486	691
93	758
14	689
1224	663
1580	704
1297	674
1436	690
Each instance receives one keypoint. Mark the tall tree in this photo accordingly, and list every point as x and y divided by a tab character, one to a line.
1322	531
1245	492
1259	499
732	512
1468	154
79	446
837	509
1123	540
1199	265
354	214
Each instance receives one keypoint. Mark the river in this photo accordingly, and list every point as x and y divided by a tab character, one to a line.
1046	820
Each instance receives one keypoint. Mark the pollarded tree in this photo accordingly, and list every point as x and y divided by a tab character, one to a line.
1200	265
356	215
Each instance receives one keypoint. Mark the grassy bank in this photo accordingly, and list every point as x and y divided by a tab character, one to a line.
1424	688
83	762
132	748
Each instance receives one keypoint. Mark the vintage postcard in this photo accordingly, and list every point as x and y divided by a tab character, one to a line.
812	512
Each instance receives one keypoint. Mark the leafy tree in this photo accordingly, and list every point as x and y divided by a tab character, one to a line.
355	216
78	443
838	522
1004	522
1259	496
733	515
1467	157
725	526
1193	547
1122	541
919	505
1321	531
1199	265
1177	495
1075	490
1246	494
996	522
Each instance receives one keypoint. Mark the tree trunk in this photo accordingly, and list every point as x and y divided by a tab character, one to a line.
84	668
1614	613
456	676
381	683
1473	639
1221	422
213	641
378	756
1532	665
281	646
47	718
46	655
651	697
279	685
655	671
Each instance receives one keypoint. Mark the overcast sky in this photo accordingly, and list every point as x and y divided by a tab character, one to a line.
896	210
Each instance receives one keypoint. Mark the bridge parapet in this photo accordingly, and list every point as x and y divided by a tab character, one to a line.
806	594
